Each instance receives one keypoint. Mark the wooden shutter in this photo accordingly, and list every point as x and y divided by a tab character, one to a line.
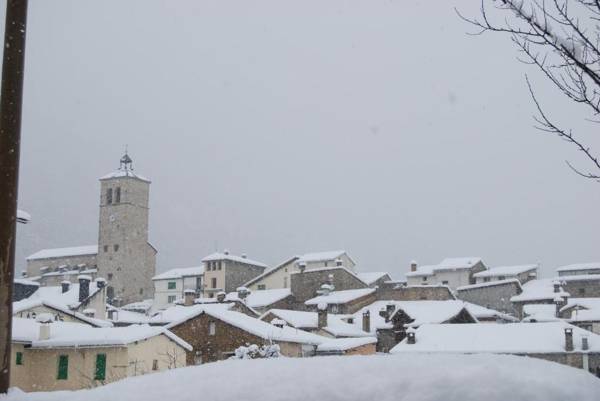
100	367
63	367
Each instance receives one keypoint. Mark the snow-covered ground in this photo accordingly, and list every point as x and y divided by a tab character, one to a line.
351	378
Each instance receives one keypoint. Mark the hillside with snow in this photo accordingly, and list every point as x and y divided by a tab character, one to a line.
431	377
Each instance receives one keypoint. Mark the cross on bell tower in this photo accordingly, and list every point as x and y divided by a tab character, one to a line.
126	163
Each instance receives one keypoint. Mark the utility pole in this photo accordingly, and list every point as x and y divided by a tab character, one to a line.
11	99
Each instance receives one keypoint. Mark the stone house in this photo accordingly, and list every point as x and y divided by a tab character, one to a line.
374	279
453	272
581	285
48	355
49	265
553	341
493	294
389	320
345	302
280	275
487	315
23	288
395	291
523	273
215	332
170	285
224	272
262	300
583	313
306	284
540	291
579	269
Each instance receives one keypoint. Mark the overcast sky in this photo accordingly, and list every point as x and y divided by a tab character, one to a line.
277	128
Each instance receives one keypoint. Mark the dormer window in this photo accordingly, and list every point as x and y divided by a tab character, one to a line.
118	195
109	196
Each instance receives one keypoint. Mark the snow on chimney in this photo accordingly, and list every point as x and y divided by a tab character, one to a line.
559	302
44	319
302	266
84	287
338	262
100	282
89	312
188	297
65	285
244	256
221	296
411	336
556	285
568	339
366	321
243	293
226	251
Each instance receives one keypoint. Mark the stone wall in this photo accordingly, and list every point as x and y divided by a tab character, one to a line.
491	295
237	274
582	288
395	292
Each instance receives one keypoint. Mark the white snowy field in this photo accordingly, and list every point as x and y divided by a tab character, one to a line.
415	377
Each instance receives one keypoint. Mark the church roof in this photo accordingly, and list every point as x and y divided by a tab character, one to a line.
122	174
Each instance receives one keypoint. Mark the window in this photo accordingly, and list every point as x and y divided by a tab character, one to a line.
19	358
501	277
100	373
581	291
116	247
213	282
109	196
109	276
325	264
445	282
262	287
219	264
486	279
105	248
198	282
63	367
212	328
285	279
424	278
118	195
141	291
155	364
171	285
334	308
171	299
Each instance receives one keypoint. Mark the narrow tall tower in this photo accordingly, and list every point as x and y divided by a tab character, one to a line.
125	258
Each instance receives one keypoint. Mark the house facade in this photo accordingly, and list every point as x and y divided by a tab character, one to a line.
452	272
170	285
224	272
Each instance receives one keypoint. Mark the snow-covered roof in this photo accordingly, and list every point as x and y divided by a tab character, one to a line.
144	305
25	281
585	309
340	297
371	277
507	271
26	304
579	266
430	311
579	277
23	217
122	173
344	344
261	298
54	294
64	252
480	312
321	256
65	334
493	338
180	273
537	290
336	326
490	284
225	256
539	313
128	317
446	264
177	314
332	269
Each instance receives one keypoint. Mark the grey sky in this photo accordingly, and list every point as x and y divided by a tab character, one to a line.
277	127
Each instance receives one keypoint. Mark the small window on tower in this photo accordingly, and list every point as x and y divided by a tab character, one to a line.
105	248
116	247
109	196
110	276
118	195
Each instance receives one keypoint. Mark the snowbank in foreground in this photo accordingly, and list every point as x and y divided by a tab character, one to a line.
358	378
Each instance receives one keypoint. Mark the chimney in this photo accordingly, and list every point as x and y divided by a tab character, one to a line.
413	266
384	314
100	282
390	308
322	315
302	266
325	289
44	319
243	293
221	296
568	339
111	314
89	312
366	321
559	302
244	256
84	287
338	262
556	285
226	251
584	343
65	285
188	297
411	337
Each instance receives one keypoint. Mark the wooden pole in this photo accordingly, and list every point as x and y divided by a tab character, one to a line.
11	99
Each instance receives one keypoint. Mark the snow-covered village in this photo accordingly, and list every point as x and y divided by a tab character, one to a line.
275	200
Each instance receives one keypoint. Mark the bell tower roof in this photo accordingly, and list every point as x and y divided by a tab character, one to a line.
125	170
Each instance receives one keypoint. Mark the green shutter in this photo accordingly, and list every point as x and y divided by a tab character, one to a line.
100	367
19	358
172	285
63	367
